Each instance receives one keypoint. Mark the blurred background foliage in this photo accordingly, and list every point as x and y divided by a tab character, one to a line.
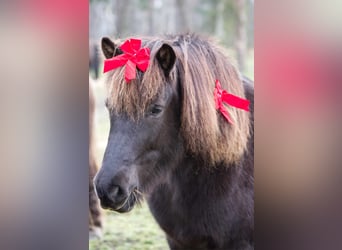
229	21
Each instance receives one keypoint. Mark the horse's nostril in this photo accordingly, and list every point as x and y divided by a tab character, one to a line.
116	192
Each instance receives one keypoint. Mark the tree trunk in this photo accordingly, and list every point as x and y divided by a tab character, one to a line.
120	10
219	32
241	35
182	16
150	17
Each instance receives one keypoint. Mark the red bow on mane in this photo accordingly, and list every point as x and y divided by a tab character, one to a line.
221	96
133	57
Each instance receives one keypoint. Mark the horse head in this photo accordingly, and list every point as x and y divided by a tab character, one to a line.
165	113
143	130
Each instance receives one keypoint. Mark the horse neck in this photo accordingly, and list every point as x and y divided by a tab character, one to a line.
192	173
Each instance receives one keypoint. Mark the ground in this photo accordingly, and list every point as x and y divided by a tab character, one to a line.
136	230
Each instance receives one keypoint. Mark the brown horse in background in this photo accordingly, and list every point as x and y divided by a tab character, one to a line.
94	59
95	217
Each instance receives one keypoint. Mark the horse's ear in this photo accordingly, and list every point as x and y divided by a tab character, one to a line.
166	58
109	48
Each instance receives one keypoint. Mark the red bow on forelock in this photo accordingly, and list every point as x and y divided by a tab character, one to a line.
133	57
221	96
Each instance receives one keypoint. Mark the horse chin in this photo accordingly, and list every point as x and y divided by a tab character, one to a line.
124	209
127	206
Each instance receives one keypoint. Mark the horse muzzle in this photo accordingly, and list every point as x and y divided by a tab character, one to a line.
115	197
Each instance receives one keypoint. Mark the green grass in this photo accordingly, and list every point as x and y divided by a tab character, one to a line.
136	230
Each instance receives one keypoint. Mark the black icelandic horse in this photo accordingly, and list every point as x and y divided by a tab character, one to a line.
168	142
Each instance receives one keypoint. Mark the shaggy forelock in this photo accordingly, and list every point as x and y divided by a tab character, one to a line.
134	97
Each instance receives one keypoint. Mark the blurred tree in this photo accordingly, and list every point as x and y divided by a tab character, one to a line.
250	24
241	33
229	20
219	26
120	9
182	13
150	17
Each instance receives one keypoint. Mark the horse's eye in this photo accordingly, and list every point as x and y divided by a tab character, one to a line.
155	110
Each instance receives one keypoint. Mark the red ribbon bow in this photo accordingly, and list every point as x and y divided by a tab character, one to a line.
221	96
133	57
